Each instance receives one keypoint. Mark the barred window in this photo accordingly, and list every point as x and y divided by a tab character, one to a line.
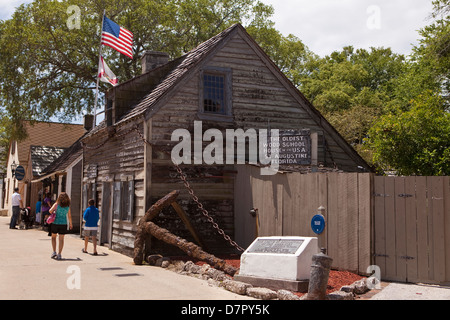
214	93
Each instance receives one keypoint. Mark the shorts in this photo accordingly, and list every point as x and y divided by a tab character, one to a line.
59	228
90	233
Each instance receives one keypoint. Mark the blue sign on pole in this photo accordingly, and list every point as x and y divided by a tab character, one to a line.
19	173
318	224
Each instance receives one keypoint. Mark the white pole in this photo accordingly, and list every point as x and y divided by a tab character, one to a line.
99	57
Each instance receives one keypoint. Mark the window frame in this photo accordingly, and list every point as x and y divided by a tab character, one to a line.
226	73
123	200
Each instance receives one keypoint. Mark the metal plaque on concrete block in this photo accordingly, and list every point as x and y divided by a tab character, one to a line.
287	258
277	245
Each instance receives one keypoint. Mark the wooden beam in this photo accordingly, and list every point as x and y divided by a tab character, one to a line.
183	216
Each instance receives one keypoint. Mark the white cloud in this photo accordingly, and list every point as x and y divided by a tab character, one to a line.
328	25
7	7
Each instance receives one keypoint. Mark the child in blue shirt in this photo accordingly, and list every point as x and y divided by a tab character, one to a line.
91	216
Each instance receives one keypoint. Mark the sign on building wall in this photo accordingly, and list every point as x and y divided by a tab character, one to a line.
19	173
293	146
91	171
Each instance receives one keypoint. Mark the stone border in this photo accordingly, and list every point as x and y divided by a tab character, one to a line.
219	278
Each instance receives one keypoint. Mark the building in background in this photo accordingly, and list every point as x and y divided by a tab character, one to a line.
44	143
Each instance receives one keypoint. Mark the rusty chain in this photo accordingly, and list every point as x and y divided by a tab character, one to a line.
191	191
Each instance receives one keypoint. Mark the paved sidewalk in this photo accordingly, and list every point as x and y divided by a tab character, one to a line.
406	291
28	272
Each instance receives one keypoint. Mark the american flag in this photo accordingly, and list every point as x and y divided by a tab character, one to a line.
116	37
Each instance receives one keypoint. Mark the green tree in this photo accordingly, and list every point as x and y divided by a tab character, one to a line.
415	142
413	136
352	88
427	67
48	70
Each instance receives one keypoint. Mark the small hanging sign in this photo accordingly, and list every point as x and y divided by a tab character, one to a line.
19	173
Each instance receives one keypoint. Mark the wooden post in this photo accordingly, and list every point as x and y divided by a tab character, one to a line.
320	271
321	237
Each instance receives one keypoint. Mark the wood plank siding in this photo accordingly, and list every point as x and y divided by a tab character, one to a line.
121	158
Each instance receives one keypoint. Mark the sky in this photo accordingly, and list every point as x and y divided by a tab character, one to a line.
329	25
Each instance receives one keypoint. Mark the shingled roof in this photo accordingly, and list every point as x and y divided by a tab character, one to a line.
59	135
64	160
42	157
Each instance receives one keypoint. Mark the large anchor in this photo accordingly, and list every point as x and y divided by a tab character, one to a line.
147	227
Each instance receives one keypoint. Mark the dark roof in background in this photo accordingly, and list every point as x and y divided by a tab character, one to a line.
65	159
42	157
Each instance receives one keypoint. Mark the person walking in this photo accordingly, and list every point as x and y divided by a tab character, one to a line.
45	207
91	216
62	223
38	211
16	201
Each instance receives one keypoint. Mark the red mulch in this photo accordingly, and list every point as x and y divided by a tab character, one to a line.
336	279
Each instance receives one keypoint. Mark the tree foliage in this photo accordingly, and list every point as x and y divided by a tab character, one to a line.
415	142
414	136
392	109
352	88
49	70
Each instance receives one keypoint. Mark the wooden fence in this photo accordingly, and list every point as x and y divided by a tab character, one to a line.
401	224
286	204
412	228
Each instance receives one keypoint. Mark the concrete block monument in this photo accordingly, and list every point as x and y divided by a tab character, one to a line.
278	262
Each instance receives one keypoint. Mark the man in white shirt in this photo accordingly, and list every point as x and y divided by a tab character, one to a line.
16	201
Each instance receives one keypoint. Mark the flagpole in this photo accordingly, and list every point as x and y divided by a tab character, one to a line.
98	79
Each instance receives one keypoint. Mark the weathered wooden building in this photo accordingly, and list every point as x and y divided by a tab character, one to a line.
227	82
